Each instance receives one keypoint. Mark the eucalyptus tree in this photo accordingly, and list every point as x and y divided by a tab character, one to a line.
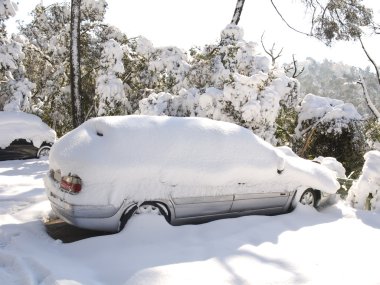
47	60
75	63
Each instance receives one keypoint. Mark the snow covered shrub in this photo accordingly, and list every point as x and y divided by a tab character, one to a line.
365	192
47	59
152	69
109	88
329	127
373	133
230	82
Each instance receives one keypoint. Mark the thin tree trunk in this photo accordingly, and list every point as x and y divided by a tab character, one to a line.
238	10
368	100
75	74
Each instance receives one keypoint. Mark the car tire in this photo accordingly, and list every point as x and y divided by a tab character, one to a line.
131	211
43	151
309	197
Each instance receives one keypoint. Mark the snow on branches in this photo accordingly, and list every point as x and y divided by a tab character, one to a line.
229	82
7	9
109	88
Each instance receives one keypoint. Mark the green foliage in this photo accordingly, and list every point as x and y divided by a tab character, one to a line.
286	123
372	131
348	145
338	19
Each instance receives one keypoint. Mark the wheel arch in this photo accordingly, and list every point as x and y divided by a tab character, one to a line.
163	206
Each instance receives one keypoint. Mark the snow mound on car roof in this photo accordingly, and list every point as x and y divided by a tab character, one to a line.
20	125
147	155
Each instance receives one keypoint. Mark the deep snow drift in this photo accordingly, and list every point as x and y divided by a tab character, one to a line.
336	245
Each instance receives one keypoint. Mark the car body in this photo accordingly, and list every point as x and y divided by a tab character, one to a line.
190	170
24	136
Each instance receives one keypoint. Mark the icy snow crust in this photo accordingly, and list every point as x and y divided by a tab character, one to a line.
151	157
16	125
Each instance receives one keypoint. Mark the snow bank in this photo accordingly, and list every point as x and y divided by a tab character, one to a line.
248	250
147	157
324	110
16	125
365	192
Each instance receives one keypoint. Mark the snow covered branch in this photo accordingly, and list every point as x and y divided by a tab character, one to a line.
271	52
368	100
294	67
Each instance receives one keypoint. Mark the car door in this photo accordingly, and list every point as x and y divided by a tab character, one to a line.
262	202
201	208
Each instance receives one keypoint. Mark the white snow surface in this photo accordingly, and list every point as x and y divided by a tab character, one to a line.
367	184
335	245
150	157
20	125
332	164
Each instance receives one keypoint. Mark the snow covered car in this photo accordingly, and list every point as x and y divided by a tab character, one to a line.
24	136
190	170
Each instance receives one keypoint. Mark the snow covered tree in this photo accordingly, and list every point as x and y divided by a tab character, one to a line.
15	88
75	63
48	53
109	88
229	81
150	69
329	127
338	81
335	20
47	63
7	9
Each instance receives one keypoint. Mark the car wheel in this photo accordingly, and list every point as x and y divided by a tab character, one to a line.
309	197
156	208
43	151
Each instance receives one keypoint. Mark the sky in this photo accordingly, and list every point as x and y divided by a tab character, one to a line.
198	22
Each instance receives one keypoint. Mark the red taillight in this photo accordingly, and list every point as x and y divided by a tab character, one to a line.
71	184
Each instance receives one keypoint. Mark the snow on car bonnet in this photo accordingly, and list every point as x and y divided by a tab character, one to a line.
19	125
149	155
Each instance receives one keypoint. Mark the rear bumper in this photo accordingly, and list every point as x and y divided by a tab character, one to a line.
96	217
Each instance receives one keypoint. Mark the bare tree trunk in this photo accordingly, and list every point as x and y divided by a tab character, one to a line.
371	106
368	100
238	10
75	74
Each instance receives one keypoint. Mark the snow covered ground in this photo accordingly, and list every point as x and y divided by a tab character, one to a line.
336	245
